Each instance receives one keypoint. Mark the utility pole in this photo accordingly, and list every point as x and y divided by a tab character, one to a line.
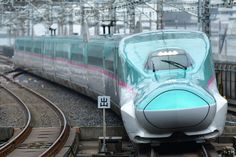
199	14
2	12
82	18
71	23
131	13
206	18
159	12
97	18
32	21
113	16
28	21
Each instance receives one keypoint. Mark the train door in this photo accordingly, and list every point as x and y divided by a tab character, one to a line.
62	58
22	52
41	56
95	72
19	55
48	59
110	68
28	54
77	59
116	81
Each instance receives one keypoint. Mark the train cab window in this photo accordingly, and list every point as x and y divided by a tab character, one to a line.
168	59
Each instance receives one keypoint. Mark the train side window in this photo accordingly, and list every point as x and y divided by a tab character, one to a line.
28	48
77	52
21	47
109	65
109	52
95	54
17	45
62	50
49	51
37	47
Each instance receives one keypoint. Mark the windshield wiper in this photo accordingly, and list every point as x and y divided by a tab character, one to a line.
154	71
176	64
153	68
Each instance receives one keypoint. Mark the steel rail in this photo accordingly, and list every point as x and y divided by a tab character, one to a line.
19	138
65	129
5	59
204	151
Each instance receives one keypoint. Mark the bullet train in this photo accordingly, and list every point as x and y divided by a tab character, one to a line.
162	82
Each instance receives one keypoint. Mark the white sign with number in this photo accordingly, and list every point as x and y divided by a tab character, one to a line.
104	102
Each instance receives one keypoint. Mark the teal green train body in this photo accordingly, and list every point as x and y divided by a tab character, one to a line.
162	83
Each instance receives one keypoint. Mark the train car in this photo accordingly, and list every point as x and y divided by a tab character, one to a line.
162	82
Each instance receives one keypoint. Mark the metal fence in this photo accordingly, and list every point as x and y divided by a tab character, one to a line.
226	80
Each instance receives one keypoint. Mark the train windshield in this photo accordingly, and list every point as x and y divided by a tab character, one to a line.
168	59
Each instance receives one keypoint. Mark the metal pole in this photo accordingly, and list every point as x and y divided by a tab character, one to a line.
71	24
1	14
157	20
104	149
125	22
97	18
159	14
28	22
32	21
199	14
113	18
131	13
82	19
206	18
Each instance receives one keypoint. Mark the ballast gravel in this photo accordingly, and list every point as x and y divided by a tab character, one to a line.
80	110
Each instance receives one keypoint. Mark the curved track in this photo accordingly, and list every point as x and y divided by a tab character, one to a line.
24	133
62	131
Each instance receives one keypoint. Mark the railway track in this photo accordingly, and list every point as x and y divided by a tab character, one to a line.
232	106
5	60
12	143
178	150
35	139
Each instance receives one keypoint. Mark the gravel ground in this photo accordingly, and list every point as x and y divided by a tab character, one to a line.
11	113
80	110
11	116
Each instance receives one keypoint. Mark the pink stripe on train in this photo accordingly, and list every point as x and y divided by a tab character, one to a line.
85	66
212	78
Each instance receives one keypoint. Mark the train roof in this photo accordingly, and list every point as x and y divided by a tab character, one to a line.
136	48
99	37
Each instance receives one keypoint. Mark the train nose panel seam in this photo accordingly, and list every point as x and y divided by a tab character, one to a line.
178	113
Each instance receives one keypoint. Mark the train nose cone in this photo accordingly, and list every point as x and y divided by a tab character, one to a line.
176	109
